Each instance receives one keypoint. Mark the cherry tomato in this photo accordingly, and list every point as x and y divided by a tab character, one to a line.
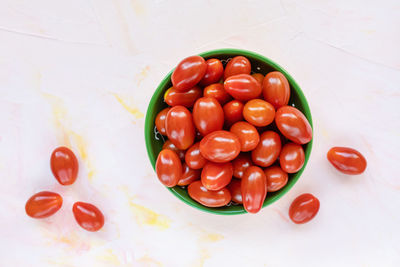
160	121
193	157
220	146
254	189
208	115
267	150
247	134
347	160
169	145
88	216
188	73
208	198
237	65
43	204
235	187
64	165
276	89
292	157
216	176
242	87
293	125
180	127
276	178
259	77
303	208
233	112
259	112
214	72
217	91
175	97
168	168
188	176
240	165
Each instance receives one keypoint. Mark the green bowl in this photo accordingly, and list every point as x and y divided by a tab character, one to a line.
260	64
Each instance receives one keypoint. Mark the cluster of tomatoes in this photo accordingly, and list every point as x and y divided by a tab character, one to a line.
64	166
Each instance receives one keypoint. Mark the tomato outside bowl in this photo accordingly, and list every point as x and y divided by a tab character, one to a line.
259	63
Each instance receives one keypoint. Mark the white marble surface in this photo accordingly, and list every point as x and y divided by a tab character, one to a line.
81	73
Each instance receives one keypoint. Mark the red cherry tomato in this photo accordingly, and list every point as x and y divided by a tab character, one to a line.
267	150
293	125
217	91
259	77
208	198
347	160
240	164
160	121
235	187
214	72
188	73
247	134
276	89
292	157
242	87
303	208
233	112
88	216
64	165
169	145
188	176
180	127
220	146
276	178
174	97
168	168
43	204
193	157
254	189
216	176
208	115
259	112
237	65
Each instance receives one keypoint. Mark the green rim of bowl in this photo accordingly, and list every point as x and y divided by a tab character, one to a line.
156	104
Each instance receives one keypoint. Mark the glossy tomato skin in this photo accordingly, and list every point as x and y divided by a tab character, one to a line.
347	160
267	150
187	99
235	187
160	121
276	178
237	65
43	204
303	208
193	157
293	125
259	112
292	157
169	145
64	165
259	77
217	91
180	128
189	175
88	216
188	73
208	115
168	168
216	176
220	146
240	164
276	89
233	112
214	72
254	189
247	134
208	198
242	87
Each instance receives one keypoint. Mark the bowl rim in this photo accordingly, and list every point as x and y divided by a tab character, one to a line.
239	52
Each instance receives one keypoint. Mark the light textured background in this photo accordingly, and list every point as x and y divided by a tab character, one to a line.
81	73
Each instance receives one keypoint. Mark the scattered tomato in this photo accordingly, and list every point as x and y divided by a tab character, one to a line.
220	146
303	208
292	157
43	204
208	115
254	189
208	198
168	168
347	160
64	165
188	73
293	124
88	216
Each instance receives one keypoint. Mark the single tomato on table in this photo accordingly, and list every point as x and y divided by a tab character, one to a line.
347	160
64	165
88	216
303	208
43	204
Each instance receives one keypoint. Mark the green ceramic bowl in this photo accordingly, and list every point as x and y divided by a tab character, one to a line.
259	64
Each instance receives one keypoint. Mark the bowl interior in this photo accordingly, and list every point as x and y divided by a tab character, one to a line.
261	64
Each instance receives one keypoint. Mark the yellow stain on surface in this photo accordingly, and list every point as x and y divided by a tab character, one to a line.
129	106
63	262
81	145
204	255
109	257
142	75
138	7
145	216
70	240
149	262
211	237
